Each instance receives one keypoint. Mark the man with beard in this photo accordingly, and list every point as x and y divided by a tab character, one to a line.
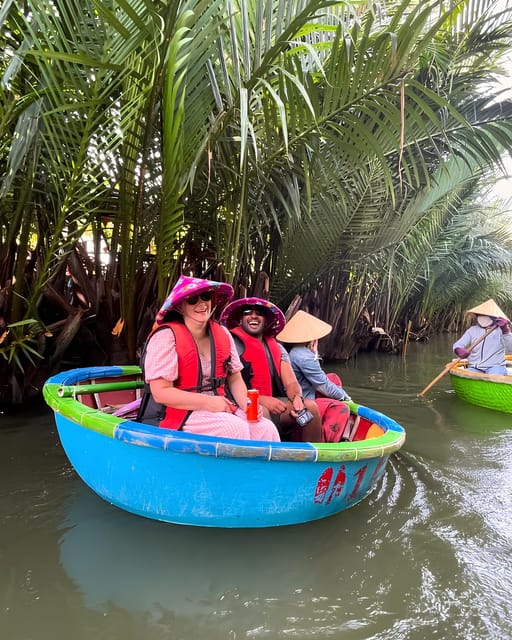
254	323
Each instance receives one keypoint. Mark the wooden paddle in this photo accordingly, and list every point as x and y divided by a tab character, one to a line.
455	362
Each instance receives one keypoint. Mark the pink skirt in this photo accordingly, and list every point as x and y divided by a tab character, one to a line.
229	425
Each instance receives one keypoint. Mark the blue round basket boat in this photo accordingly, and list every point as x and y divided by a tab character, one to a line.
184	478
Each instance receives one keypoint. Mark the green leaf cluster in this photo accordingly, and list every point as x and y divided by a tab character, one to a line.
340	147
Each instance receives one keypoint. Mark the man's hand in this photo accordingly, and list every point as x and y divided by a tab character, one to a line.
274	405
297	405
461	352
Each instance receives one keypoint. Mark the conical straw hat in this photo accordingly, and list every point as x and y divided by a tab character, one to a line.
303	327
488	308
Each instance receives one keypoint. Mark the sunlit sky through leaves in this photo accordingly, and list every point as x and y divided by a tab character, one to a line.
503	187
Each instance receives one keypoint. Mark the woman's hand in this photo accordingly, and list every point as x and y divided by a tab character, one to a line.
218	404
164	392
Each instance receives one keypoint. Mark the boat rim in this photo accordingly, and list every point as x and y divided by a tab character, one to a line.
65	404
461	372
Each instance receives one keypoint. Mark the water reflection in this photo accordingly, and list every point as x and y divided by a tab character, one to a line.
296	578
393	567
187	570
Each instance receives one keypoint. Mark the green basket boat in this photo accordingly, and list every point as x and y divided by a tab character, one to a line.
491	391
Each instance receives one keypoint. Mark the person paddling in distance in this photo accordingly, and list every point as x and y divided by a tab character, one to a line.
190	364
254	323
488	356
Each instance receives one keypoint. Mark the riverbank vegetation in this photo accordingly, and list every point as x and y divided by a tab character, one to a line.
342	152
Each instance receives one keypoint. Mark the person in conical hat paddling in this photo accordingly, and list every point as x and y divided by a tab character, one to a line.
254	323
302	333
489	355
192	369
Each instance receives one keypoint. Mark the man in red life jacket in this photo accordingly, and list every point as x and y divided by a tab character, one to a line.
254	323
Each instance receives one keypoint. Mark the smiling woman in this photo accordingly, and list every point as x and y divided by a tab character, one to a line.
192	368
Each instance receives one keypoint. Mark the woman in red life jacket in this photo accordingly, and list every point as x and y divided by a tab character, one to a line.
192	369
254	322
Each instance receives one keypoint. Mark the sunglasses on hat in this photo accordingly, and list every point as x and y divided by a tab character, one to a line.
206	296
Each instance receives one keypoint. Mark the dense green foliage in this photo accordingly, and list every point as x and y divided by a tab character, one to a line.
340	148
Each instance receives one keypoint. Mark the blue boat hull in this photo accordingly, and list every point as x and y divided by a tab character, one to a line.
182	478
186	488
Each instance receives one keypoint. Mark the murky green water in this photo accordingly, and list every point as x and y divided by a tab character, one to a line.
427	555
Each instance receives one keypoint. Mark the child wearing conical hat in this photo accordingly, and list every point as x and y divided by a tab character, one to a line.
302	332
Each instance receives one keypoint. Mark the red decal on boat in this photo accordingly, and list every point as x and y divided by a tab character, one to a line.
360	476
338	485
378	468
323	484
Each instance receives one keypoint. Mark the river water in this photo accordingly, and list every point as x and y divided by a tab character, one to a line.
426	555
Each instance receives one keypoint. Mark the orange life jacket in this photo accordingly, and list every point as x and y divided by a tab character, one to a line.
262	363
190	375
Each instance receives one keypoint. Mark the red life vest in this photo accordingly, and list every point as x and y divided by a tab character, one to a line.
190	376
256	354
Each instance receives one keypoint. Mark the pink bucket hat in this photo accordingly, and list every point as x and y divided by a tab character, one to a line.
186	286
275	319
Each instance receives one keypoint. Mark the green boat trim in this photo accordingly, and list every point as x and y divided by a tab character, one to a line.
62	396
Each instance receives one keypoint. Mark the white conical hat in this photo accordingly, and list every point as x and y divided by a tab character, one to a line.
488	308
303	327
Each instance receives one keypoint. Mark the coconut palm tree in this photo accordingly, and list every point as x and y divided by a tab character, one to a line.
288	136
356	219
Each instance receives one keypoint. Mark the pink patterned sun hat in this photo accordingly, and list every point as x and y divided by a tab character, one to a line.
186	286
275	319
